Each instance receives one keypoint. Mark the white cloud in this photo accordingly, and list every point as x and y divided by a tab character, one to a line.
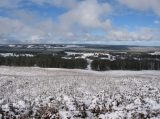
87	14
58	3
15	29
9	3
142	34
50	32
10	25
143	5
157	21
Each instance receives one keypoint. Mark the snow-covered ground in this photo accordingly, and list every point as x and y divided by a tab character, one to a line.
32	93
86	55
155	53
15	55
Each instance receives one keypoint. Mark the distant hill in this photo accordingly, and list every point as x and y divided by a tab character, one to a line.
76	47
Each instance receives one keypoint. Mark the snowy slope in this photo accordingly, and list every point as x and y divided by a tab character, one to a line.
62	93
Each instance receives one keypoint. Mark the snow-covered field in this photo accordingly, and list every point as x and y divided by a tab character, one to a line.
15	55
35	93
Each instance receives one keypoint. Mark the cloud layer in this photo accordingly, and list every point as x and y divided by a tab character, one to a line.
81	21
144	34
143	5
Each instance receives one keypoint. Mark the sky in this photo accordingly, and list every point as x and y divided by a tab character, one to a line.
110	22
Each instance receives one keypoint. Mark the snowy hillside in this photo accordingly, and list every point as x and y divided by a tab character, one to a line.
33	93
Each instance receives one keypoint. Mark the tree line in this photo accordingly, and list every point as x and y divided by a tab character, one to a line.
45	61
50	61
126	64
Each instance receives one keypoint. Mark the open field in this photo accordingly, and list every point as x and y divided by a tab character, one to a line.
61	93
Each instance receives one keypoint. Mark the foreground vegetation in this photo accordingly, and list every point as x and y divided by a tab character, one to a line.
40	93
